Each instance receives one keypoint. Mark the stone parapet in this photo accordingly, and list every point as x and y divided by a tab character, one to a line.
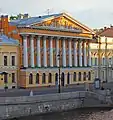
11	107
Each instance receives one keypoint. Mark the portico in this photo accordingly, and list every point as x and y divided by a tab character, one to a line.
81	54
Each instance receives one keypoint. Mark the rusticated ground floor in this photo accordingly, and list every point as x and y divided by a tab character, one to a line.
50	76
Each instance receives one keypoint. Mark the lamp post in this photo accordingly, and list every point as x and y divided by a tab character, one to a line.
99	57
59	90
106	59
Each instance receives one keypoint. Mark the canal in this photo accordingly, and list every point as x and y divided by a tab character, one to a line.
78	114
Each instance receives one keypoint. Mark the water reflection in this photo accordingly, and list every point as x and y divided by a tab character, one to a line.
84	114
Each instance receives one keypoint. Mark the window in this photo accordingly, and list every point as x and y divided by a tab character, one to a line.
37	78
5	60
68	78
56	77
102	74
103	61
84	76
43	78
13	77
110	61
31	78
89	75
79	76
50	78
62	79
91	61
5	78
13	60
95	61
74	76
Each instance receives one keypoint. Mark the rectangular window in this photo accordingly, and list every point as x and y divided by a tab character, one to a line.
103	63
91	61
102	74
95	61
110	62
5	60
13	77
13	60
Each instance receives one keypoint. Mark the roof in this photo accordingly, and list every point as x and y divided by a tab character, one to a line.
8	41
32	20
108	32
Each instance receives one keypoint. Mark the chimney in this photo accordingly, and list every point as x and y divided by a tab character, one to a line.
4	24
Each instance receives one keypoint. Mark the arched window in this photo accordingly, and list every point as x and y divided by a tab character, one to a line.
37	78
62	79
43	78
84	76
31	78
5	78
56	77
50	78
74	76
79	76
68	78
89	75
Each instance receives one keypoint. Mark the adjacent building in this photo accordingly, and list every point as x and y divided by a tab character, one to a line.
102	55
9	64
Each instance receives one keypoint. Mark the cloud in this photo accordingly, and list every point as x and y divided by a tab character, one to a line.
94	13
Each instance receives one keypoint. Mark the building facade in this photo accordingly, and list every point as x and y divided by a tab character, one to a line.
8	62
102	55
49	43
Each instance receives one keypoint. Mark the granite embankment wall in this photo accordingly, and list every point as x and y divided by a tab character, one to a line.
11	107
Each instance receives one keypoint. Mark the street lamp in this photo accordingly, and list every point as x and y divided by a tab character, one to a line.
106	59
59	73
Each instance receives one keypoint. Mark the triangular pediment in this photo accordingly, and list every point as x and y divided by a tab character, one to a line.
63	20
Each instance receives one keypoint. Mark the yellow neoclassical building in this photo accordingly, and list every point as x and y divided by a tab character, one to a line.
9	53
43	39
102	55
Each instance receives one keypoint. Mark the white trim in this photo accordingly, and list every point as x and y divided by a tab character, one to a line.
55	69
84	38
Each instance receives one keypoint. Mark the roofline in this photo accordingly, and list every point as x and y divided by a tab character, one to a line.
76	37
9	44
69	16
79	23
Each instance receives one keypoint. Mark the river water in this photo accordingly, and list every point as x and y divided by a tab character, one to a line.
79	114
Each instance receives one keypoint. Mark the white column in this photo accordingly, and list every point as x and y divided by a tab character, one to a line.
80	53
70	54
25	55
64	54
51	52
85	55
89	55
45	54
75	54
57	51
32	51
38	52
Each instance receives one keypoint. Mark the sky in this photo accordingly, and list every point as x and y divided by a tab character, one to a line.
93	13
